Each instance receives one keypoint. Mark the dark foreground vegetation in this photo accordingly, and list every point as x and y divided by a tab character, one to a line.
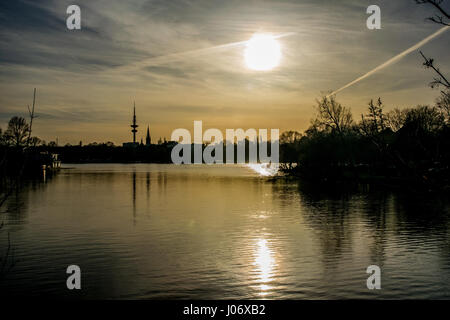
109	153
409	146
401	146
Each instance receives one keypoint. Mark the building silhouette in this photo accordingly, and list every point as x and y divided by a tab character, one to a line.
134	130
134	126
148	139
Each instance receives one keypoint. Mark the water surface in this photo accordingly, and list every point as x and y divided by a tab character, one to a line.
147	231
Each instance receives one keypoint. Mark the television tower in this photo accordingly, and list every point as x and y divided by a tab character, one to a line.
134	125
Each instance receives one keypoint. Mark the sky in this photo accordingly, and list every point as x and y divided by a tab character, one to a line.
172	58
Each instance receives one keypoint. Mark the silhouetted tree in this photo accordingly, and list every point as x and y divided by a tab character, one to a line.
332	116
34	141
441	80
17	132
290	137
375	121
2	138
395	119
109	144
289	148
442	17
52	144
443	105
424	120
373	126
411	145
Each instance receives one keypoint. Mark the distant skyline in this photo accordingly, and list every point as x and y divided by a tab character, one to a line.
87	80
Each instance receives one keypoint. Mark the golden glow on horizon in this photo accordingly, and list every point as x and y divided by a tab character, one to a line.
262	52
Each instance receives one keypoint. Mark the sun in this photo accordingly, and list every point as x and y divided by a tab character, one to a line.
262	53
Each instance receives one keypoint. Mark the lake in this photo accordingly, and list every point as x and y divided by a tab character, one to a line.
149	231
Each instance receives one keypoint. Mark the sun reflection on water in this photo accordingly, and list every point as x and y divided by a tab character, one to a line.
264	169
264	262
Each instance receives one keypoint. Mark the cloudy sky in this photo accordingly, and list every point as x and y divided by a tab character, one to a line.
168	57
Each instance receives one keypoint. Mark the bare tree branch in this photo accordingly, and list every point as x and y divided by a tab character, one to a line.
438	5
442	80
438	20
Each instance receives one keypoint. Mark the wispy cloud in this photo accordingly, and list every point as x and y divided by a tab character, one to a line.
182	60
394	59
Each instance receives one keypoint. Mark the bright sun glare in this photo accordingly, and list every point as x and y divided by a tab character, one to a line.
262	53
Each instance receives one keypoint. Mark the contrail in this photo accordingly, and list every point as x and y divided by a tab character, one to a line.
394	59
154	61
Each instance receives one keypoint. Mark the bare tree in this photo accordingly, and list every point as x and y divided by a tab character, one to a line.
373	124
290	137
2	138
18	131
443	105
332	115
395	119
437	81
424	120
375	121
442	17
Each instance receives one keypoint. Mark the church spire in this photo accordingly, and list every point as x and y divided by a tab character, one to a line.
148	139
